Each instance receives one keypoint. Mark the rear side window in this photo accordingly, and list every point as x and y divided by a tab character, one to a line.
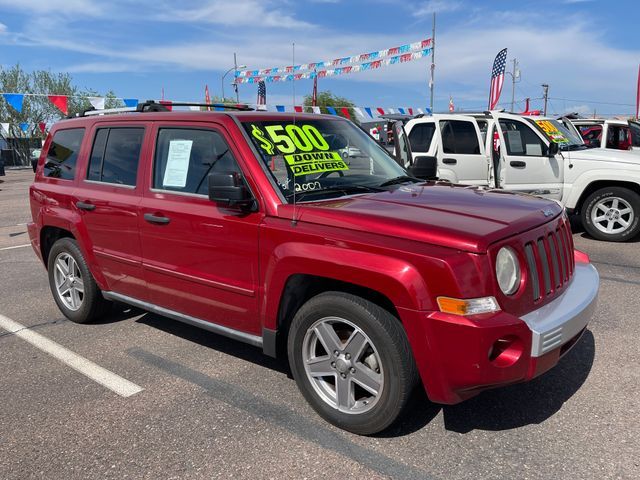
459	137
115	155
185	157
635	134
591	134
420	136
63	154
521	140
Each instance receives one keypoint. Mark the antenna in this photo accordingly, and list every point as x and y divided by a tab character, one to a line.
294	220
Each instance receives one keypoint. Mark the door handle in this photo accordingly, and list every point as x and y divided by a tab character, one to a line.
518	164
85	206
157	219
449	161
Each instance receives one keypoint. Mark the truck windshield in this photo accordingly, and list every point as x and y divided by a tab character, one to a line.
321	158
557	132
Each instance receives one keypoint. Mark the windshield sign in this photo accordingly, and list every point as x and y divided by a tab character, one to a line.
552	131
321	158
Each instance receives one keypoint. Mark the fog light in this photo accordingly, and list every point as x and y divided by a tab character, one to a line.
505	351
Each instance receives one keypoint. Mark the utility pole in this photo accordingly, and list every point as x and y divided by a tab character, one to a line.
235	85
433	60
514	75
546	96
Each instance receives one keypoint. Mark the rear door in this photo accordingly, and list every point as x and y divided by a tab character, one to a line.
107	197
461	156
525	162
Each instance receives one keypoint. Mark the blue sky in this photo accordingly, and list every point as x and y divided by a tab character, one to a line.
587	51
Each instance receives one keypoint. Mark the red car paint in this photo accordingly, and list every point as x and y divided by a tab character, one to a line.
410	245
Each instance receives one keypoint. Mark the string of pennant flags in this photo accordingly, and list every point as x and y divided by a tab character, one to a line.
338	66
61	102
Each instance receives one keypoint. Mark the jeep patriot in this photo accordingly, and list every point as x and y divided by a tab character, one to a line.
253	225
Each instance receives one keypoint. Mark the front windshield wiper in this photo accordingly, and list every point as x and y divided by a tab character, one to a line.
345	189
573	147
400	179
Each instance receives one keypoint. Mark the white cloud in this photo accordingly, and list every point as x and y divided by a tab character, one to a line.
3	29
60	7
436	6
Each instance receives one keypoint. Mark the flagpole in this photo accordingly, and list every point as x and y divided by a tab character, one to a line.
433	59
638	94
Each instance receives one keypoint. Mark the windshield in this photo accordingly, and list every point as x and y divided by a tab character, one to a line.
325	157
557	132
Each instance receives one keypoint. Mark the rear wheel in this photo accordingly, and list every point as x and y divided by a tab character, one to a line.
612	214
352	361
74	288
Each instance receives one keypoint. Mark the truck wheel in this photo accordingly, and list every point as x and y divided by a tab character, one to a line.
612	214
73	287
352	361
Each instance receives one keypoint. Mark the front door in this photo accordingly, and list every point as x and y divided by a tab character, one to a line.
107	197
200	258
526	164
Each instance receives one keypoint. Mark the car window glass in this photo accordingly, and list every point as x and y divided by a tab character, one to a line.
63	154
591	134
635	134
618	137
484	126
459	137
115	155
185	157
521	140
421	136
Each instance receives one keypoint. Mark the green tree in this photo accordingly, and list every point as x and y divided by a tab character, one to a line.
328	99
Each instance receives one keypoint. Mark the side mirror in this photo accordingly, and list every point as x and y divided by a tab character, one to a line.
425	168
229	188
554	148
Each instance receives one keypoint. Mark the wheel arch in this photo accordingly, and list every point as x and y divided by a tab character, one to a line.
596	185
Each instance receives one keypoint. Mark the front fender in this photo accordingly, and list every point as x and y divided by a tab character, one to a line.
574	191
394	278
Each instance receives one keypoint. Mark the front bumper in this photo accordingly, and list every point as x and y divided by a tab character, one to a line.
456	355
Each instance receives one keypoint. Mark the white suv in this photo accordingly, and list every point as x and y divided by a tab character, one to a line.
539	156
611	134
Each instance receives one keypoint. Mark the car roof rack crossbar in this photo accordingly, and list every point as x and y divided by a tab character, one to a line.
153	106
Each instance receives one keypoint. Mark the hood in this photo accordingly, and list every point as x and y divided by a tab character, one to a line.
460	217
605	155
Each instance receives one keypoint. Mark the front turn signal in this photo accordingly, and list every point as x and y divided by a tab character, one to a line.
470	306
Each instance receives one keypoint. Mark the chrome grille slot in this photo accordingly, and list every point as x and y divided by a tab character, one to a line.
533	270
544	261
563	255
557	280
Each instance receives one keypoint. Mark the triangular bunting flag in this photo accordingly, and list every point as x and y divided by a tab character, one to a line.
60	101
316	109
167	104
410	111
345	112
97	102
368	110
4	129
391	110
15	100
380	110
332	111
280	108
43	127
298	108
130	102
420	111
358	112
24	127
401	110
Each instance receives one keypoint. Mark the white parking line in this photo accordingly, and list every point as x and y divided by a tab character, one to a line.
15	246
104	377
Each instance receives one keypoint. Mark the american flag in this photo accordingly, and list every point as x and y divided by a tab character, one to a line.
497	78
262	96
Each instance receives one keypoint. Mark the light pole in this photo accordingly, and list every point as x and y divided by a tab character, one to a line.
227	73
545	89
515	75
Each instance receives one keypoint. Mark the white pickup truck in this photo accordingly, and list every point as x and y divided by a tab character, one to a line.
613	134
538	156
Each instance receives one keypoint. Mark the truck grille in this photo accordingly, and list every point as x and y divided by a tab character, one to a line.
550	261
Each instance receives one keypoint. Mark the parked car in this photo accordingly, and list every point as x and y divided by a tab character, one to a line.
608	133
35	156
539	156
251	225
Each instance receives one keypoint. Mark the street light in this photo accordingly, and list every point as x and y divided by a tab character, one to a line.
239	67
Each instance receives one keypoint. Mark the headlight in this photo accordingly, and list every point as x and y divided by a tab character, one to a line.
508	271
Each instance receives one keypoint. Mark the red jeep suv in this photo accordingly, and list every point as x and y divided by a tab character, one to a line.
252	226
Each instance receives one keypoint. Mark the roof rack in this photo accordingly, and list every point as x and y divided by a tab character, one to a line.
153	106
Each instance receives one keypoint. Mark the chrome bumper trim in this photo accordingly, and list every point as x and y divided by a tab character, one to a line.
556	323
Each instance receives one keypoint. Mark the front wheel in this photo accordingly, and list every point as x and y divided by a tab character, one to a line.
612	214
352	361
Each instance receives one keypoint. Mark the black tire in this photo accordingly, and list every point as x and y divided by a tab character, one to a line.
604	195
93	305
385	332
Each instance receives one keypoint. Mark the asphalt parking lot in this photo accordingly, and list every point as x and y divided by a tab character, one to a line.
209	407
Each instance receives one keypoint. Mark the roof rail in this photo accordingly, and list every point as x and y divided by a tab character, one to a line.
153	106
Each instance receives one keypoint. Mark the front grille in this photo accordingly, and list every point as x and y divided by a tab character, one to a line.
550	261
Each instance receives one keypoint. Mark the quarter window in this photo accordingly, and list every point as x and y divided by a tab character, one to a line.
635	134
459	137
115	155
421	136
185	157
521	140
63	154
